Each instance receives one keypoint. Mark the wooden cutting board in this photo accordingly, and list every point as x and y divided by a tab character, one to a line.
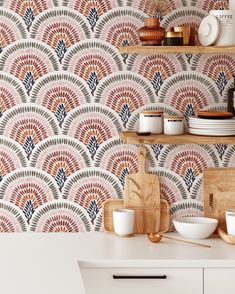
219	192
142	193
110	205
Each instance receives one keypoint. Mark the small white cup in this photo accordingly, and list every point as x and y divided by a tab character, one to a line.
123	221
230	222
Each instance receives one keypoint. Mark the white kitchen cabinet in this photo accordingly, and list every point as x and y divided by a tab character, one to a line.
217	281
143	280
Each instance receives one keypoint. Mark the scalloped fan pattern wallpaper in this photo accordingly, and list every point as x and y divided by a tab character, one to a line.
66	92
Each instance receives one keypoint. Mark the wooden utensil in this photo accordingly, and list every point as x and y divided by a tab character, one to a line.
110	205
156	238
222	232
219	192
142	193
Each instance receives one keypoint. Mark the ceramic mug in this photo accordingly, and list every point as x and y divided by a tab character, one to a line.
123	221
227	26
230	222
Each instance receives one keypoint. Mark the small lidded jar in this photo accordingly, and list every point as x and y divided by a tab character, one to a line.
151	121
173	125
174	39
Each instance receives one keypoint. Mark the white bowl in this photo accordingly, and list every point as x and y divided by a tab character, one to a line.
195	227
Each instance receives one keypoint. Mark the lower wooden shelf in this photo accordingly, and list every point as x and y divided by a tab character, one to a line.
133	138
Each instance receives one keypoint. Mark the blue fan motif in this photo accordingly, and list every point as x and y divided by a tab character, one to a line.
28	82
221	148
60	178
157	148
61	114
29	146
125	55
221	82
60	50
125	114
93	82
28	210
189	57
190	111
28	17
93	146
157	82
124	173
93	17
189	178
93	210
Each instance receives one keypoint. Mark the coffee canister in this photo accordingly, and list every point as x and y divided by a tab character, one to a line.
173	125
227	26
151	121
174	39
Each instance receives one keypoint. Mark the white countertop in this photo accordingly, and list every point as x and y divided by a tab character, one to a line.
48	263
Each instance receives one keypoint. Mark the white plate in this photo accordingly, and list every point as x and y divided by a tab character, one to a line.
211	132
208	31
212	127
211	121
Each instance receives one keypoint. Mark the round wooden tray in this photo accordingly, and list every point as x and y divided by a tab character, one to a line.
214	115
222	232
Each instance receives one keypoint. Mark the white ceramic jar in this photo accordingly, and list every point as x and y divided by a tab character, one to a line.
151	121
173	125
227	27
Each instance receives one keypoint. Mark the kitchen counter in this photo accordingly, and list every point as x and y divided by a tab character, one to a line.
48	263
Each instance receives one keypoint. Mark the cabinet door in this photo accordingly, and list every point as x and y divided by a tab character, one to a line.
217	281
142	280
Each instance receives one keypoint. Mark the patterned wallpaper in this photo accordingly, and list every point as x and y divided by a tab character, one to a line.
66	92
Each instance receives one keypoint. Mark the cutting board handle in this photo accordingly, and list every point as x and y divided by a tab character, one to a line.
142	153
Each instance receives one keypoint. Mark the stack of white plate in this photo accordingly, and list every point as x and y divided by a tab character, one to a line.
212	127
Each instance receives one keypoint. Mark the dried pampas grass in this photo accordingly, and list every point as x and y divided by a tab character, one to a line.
161	6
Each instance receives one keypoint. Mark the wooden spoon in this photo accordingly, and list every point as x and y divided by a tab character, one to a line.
156	238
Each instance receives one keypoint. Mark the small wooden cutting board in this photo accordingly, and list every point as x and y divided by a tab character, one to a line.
111	204
142	193
219	192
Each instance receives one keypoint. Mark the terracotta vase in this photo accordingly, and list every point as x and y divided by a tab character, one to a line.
151	34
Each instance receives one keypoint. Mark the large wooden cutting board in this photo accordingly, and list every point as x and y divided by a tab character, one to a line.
111	204
142	193
219	192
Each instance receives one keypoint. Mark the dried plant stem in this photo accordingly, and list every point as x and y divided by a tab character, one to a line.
160	6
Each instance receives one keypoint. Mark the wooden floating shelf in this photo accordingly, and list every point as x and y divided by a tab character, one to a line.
133	138
176	50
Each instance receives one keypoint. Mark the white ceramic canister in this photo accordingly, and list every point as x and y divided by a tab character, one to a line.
173	125
227	27
151	121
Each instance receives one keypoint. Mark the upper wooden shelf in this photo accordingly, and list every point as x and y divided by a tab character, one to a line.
133	138
176	50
